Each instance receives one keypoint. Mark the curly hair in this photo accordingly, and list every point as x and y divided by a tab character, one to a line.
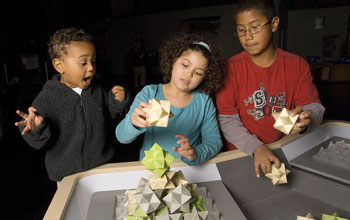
265	7
174	48
62	38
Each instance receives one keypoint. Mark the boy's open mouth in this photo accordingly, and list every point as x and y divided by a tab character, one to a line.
87	79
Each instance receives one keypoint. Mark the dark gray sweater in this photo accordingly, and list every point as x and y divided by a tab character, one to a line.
75	129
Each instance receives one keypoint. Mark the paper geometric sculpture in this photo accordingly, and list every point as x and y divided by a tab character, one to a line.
180	179
215	215
177	198
157	160
159	113
335	216
162	211
278	175
138	215
177	216
120	212
307	217
147	199
164	182
132	204
142	183
284	121
194	215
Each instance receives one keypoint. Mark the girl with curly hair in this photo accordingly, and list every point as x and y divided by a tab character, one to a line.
193	68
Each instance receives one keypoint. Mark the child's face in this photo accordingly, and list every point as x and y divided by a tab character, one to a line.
77	67
189	70
256	43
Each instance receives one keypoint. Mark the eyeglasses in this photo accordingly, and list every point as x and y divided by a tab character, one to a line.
240	32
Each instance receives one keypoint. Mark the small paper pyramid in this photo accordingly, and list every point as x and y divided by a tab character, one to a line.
157	160
307	217
180	179
214	215
147	199
159	113
120	212
278	175
334	216
177	198
164	182
284	122
176	216
132	204
195	215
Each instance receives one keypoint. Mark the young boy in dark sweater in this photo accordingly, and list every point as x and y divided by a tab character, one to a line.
71	117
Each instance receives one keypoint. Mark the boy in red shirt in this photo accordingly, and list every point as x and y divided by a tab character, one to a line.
261	80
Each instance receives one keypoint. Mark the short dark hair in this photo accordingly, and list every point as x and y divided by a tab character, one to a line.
57	45
175	47
265	7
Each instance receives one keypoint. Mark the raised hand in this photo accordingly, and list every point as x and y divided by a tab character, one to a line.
185	148
31	120
119	93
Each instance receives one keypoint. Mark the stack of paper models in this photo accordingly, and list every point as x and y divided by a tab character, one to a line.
165	195
159	113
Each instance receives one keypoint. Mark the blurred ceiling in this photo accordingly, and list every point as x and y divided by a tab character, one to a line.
34	19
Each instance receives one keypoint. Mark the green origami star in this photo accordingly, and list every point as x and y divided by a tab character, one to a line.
335	216
157	160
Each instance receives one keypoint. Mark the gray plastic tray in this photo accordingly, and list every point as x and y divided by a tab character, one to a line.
306	161
305	192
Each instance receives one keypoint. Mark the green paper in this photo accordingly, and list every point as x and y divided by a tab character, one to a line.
160	212
334	216
140	212
198	203
157	160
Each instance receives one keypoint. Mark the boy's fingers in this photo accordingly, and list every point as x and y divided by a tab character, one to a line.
297	110
31	109
268	167
22	114
277	162
256	165
117	89
263	167
25	130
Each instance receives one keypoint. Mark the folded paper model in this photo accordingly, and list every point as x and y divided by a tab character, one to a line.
335	216
159	113
278	175
284	121
166	194
307	217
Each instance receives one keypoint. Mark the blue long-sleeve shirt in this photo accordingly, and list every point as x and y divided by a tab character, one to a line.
196	121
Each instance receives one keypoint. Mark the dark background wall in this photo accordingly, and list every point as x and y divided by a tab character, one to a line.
27	25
